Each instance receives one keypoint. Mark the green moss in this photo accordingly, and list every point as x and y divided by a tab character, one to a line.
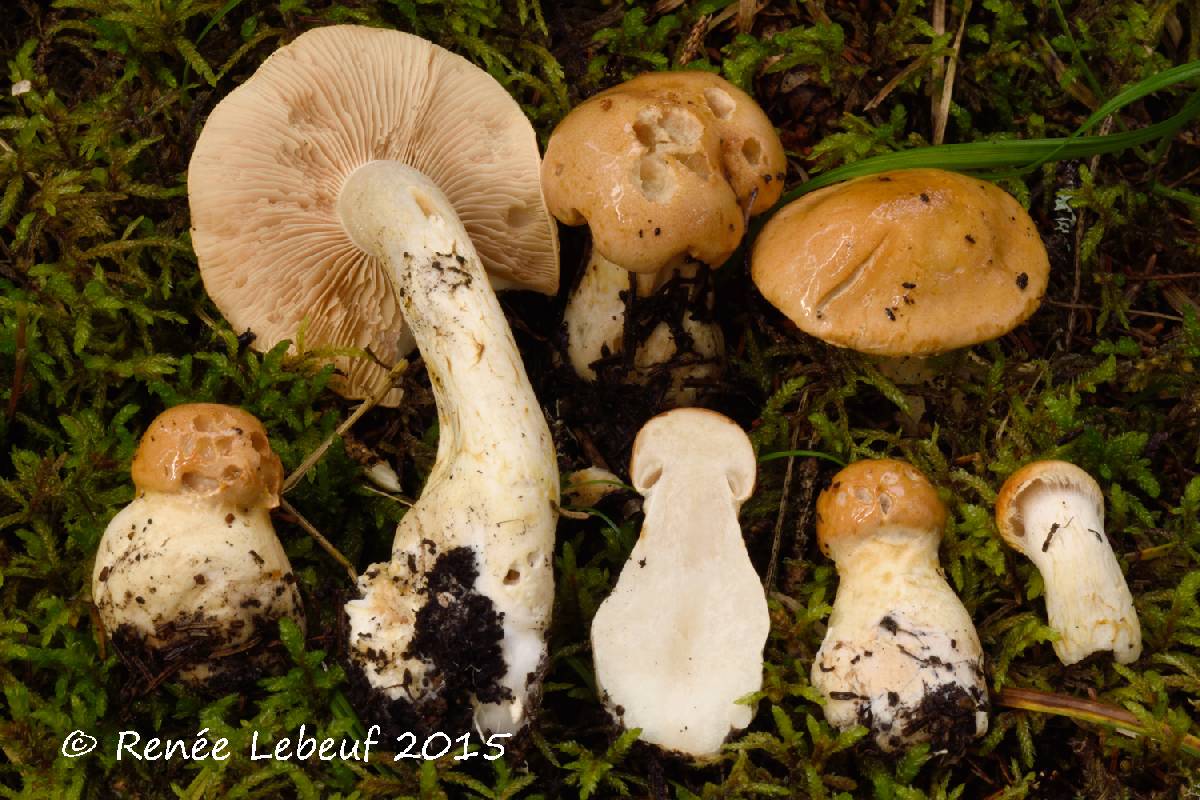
104	322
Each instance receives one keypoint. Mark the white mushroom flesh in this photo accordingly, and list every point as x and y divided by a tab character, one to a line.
681	637
463	607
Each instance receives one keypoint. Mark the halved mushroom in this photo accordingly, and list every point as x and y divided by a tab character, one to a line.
680	639
271	162
190	576
901	655
1053	513
664	169
450	632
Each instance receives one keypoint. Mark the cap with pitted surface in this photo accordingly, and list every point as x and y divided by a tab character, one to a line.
209	450
911	262
664	167
266	174
874	494
1050	474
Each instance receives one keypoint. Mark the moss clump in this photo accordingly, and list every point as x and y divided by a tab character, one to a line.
103	322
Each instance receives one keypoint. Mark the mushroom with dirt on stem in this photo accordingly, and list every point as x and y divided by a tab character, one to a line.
190	578
1053	513
680	639
901	655
664	169
450	633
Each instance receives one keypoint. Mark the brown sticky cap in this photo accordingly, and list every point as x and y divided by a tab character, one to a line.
912	262
268	167
664	167
209	450
877	493
1048	474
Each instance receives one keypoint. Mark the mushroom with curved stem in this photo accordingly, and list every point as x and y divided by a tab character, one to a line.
268	167
1053	513
664	169
190	575
452	629
901	655
681	637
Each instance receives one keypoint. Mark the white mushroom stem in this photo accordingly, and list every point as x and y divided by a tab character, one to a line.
1087	600
493	489
901	655
595	322
680	639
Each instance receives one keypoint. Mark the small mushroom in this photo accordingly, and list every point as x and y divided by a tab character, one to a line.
664	169
190	575
681	637
901	655
1053	513
912	262
270	165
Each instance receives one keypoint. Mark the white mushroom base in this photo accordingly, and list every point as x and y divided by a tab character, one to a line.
902	658
183	584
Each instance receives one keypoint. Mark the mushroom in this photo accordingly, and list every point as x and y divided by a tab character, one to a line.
190	575
453	627
911	262
269	166
680	639
901	655
664	169
1053	513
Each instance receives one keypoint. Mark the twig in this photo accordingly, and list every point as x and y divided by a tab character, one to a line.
1105	127
363	408
747	10
777	536
1089	711
1131	312
942	112
891	85
326	545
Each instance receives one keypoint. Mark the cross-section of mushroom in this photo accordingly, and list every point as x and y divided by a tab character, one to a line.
901	655
681	637
1053	512
190	578
450	634
664	169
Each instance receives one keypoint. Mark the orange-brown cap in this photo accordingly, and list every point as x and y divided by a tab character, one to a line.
209	450
268	167
912	262
877	493
664	167
1049	474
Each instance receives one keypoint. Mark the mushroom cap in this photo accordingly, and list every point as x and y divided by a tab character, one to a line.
1049	474
664	167
687	442
268	166
911	262
211	451
876	494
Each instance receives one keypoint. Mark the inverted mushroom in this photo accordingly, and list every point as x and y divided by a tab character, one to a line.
901	655
265	179
190	576
911	262
680	639
450	634
664	169
1053	513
